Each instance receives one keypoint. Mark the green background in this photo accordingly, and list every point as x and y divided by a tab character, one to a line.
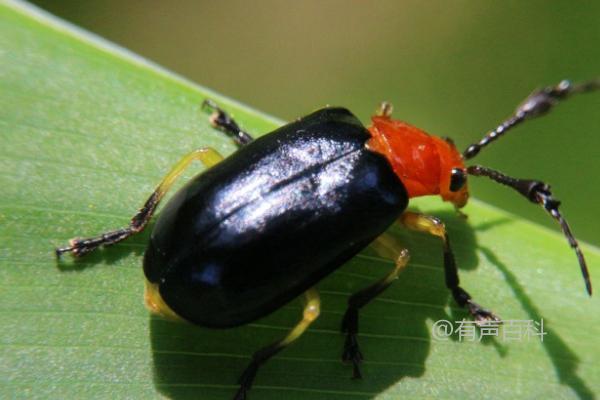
453	68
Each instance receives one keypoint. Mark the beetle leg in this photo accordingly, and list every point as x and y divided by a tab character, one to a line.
385	246
79	246
219	119
385	109
433	226
312	309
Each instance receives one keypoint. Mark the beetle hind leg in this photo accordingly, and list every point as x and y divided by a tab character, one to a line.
385	246
312	309
222	121
433	226
80	246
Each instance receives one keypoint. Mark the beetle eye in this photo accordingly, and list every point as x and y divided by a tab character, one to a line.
458	178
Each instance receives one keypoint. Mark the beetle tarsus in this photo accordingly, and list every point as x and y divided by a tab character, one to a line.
353	354
219	119
385	109
59	251
352	351
481	315
79	247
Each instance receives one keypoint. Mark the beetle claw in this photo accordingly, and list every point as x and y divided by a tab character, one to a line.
75	247
482	316
353	354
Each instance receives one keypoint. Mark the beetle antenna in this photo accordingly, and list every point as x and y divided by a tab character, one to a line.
535	105
538	192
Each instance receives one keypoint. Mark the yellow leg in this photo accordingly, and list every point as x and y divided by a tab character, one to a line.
424	223
208	156
385	109
433	226
79	247
155	303
312	309
386	246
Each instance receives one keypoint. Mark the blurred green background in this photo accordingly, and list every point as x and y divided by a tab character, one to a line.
453	68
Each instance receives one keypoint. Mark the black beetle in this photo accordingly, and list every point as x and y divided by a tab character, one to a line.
265	225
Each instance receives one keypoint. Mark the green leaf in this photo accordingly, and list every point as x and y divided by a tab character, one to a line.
87	131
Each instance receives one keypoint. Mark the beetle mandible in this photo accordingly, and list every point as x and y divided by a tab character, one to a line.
313	193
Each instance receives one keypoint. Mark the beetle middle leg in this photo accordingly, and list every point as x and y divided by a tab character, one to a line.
221	120
433	226
312	309
385	246
79	246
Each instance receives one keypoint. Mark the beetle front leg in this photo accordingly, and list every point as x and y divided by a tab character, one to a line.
79	246
433	226
386	246
221	120
312	310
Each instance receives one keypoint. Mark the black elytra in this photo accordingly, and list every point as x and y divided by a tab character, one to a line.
266	224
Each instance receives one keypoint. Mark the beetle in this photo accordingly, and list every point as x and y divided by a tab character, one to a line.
265	225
